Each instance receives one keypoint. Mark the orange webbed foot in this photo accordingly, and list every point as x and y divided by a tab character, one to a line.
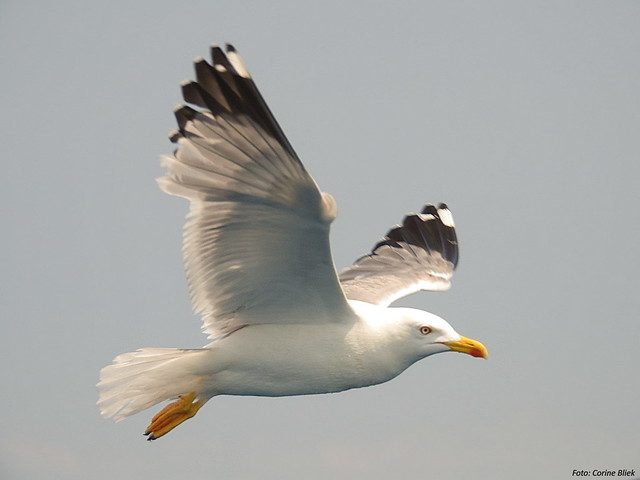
173	415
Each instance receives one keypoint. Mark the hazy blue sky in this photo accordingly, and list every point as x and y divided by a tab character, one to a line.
523	116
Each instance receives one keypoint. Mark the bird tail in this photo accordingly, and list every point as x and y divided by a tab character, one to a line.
138	380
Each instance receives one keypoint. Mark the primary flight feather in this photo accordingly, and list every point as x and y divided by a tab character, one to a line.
256	249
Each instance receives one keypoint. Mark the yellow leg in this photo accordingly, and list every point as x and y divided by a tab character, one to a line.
173	415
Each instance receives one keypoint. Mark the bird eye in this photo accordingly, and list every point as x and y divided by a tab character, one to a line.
425	330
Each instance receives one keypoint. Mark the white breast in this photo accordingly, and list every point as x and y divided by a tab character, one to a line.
278	360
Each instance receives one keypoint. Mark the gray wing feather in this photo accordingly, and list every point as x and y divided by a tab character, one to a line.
256	241
420	254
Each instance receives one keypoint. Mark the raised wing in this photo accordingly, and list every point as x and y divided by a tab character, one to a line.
256	242
420	254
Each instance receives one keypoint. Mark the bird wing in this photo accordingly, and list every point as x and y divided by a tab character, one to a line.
420	254
256	241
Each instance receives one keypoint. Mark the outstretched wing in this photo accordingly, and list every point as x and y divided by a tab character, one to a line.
420	254
256	242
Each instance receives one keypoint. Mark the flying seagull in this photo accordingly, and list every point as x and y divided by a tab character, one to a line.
256	250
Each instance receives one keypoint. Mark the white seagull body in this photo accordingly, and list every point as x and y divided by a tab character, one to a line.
256	248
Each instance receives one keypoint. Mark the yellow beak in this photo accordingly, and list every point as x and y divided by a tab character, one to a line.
468	346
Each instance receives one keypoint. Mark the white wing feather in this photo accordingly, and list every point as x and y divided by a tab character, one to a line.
256	242
420	254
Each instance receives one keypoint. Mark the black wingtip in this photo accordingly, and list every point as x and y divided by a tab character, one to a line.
432	230
191	93
174	136
220	58
428	210
224	87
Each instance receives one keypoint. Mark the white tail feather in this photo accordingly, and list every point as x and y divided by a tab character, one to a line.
138	380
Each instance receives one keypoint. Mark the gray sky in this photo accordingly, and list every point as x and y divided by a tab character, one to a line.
522	116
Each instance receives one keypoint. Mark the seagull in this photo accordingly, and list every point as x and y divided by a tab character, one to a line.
281	321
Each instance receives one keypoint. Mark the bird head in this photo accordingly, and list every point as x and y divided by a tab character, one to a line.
430	334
